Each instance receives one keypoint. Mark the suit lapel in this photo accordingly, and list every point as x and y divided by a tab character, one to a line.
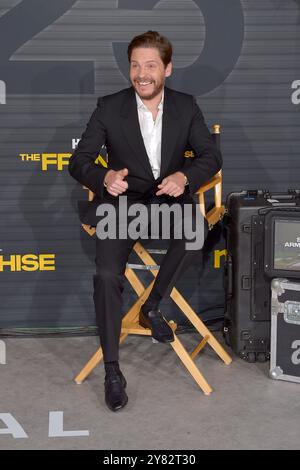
170	132
132	131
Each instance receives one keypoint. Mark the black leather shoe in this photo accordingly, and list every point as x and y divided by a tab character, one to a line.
160	329
123	380
115	395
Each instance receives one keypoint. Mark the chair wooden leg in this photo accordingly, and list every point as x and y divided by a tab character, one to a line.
190	365
89	366
178	347
186	309
130	317
199	347
199	325
93	362
133	312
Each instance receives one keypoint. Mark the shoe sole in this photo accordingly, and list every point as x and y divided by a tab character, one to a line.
118	408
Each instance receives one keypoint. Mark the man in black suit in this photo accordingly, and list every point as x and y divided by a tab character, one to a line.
146	130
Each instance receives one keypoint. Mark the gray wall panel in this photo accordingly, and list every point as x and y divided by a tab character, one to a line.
253	103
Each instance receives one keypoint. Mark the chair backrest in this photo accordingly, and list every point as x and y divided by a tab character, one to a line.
214	214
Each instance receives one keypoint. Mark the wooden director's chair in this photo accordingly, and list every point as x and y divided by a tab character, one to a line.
130	324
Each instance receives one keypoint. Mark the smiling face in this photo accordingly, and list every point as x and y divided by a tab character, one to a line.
148	72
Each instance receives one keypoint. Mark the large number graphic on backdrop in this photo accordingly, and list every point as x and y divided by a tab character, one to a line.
21	24
224	32
224	28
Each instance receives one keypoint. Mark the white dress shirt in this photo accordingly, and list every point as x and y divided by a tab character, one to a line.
151	131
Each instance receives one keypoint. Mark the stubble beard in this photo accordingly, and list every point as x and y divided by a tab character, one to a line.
157	90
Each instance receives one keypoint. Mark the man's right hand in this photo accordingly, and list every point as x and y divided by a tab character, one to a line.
114	181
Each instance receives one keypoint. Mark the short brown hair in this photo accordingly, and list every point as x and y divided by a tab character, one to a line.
152	39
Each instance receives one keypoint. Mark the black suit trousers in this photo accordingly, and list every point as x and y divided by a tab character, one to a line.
111	258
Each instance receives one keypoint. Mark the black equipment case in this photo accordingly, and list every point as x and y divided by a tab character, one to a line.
250	233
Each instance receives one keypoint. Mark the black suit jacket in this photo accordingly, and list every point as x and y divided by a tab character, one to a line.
115	123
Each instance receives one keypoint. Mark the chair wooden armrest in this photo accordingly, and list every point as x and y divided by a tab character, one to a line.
210	183
217	211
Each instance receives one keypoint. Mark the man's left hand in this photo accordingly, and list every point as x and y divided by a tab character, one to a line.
173	185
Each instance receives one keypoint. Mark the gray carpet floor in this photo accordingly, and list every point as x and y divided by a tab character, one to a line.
166	408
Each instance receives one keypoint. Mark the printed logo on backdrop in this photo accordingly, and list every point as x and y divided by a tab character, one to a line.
2	353
2	92
295	97
296	354
57	161
27	262
224	35
215	62
55	427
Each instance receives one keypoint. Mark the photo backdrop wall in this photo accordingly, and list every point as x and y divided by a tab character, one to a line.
240	58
